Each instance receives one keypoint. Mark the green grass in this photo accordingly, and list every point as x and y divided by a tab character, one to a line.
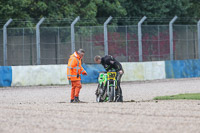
189	96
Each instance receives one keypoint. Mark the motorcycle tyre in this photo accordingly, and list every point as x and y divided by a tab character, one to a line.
111	94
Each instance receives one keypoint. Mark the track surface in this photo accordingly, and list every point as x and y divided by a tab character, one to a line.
47	109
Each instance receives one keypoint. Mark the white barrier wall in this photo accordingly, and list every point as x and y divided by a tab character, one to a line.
154	70
133	71
144	71
57	74
39	75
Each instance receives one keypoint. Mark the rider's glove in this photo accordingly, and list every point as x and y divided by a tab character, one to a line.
120	72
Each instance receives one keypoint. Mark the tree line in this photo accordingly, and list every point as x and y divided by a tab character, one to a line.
95	12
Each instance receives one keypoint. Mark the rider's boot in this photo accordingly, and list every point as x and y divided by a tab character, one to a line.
119	97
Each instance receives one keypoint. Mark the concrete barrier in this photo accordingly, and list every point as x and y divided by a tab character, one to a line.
56	74
5	76
143	71
182	68
154	70
51	74
134	71
39	75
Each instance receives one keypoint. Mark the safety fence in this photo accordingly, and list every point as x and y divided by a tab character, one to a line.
54	45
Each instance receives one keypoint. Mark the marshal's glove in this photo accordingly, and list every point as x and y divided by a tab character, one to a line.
78	75
84	73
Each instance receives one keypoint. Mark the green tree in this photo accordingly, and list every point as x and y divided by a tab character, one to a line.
95	12
156	9
69	9
106	8
14	9
194	9
86	9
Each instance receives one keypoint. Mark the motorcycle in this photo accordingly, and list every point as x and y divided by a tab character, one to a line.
107	86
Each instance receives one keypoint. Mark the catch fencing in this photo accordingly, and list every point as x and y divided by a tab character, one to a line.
56	47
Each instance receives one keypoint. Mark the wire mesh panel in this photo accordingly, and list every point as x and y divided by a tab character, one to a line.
21	46
132	44
91	39
97	41
116	42
163	42
55	46
55	43
64	45
48	45
29	55
1	48
185	41
155	43
122	43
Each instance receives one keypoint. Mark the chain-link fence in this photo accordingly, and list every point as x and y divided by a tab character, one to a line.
91	39
155	43
55	43
122	43
186	45
21	47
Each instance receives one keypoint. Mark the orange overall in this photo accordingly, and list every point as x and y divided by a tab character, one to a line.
74	70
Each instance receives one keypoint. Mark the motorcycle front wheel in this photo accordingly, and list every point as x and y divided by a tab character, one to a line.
111	94
99	94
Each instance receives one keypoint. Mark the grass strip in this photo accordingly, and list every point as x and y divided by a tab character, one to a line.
189	96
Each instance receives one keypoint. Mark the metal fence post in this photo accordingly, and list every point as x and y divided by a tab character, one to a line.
38	40
72	34
91	46
187	38
140	37
23	45
126	44
5	42
198	25
159	41
58	48
106	35
171	36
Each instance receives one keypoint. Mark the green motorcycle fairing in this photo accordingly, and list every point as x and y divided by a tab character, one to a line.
103	78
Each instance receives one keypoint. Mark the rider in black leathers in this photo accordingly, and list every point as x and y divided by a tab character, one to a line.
109	63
